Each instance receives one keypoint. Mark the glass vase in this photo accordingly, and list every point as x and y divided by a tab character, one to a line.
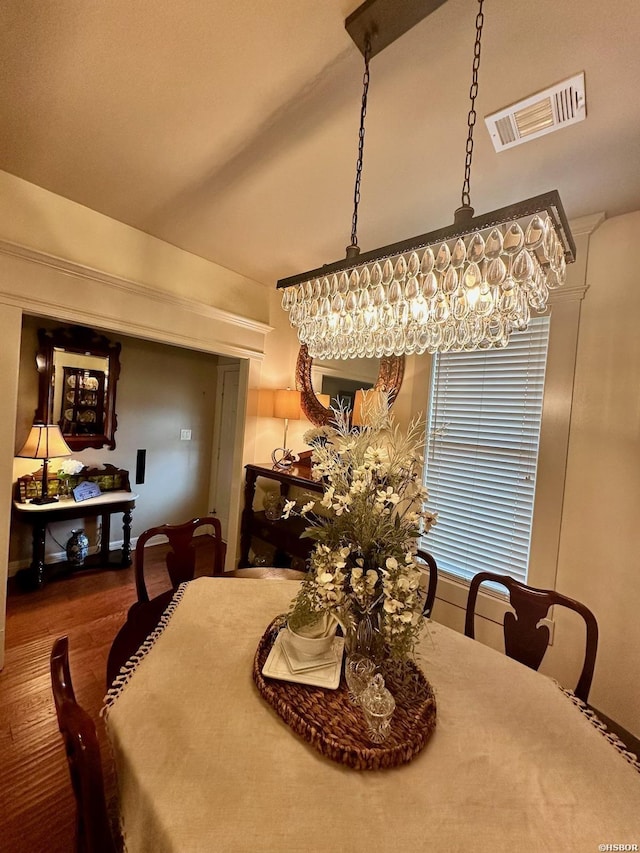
64	488
363	636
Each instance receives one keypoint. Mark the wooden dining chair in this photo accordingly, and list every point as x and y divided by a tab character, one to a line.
425	557
93	827
144	617
142	620
181	558
524	639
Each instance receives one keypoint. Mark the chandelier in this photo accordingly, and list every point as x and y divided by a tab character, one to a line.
463	287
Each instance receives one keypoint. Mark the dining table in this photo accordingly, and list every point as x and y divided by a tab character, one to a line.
204	763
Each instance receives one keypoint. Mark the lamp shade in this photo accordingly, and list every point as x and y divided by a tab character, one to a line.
265	402
45	441
287	405
366	405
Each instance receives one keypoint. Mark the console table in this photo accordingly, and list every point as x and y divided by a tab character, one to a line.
40	515
282	533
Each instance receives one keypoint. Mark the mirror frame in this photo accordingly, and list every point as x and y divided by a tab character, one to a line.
78	339
389	379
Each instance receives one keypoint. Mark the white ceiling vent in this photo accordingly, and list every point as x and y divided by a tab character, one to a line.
545	112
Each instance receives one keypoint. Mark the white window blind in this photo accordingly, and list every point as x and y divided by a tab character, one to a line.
482	452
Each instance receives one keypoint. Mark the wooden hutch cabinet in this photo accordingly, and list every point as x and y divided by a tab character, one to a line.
282	534
83	403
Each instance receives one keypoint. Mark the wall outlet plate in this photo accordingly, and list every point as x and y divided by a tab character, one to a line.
185	435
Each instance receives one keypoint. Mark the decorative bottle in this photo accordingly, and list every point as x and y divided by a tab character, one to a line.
77	547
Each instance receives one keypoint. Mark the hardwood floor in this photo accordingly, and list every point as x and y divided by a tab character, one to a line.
37	811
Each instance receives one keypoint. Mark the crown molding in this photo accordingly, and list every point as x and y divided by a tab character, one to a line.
77	270
573	293
133	328
586	224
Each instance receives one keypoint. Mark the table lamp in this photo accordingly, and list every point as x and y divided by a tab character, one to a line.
286	405
45	442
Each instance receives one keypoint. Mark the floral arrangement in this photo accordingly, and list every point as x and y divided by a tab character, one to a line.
366	526
69	467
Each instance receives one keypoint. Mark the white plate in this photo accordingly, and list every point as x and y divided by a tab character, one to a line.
276	666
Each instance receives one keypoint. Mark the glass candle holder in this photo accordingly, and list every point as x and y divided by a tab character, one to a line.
358	672
273	505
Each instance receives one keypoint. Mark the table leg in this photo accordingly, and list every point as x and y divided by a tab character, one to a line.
247	518
105	539
34	577
126	539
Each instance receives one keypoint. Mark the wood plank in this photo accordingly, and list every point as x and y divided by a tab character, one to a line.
38	808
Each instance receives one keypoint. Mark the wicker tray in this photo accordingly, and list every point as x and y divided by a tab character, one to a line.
329	722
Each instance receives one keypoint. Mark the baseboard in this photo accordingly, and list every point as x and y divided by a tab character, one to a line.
60	556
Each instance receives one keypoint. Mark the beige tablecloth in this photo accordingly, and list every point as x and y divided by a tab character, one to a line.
204	764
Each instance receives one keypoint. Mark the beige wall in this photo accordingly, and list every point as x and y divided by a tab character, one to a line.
10	320
33	217
600	541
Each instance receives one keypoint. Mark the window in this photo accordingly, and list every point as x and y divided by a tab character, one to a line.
482	452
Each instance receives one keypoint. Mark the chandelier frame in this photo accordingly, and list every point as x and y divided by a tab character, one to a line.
548	203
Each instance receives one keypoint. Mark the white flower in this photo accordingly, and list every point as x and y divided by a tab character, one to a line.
342	504
327	498
68	467
429	519
307	507
288	506
371	578
358	487
316	436
388	496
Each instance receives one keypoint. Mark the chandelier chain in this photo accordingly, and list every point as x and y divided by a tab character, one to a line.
363	113
461	288
471	119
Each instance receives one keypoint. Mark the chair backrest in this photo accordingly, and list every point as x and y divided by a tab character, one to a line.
429	601
524	639
93	830
181	559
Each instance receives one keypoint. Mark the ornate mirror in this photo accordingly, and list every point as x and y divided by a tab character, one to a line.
79	370
390	373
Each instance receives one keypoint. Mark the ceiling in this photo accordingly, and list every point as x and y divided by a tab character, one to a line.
229	128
